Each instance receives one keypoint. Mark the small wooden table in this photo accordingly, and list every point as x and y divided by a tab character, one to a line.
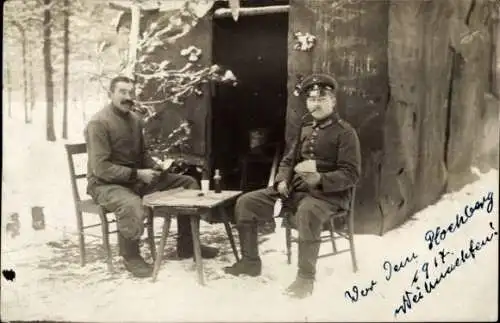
189	202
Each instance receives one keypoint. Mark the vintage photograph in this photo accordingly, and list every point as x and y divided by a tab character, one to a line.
250	160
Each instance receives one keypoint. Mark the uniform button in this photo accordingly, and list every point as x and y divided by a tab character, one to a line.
312	155
313	141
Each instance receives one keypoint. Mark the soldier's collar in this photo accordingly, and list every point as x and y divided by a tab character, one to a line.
326	122
119	112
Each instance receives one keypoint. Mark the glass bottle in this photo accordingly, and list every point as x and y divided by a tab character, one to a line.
217	181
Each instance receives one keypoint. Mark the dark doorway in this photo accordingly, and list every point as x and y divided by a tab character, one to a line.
255	49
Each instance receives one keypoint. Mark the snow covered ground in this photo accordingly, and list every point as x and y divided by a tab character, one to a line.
51	285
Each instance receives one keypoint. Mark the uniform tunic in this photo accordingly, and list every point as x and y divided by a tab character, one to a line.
115	147
335	146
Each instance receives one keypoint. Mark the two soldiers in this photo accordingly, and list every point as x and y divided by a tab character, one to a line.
117	163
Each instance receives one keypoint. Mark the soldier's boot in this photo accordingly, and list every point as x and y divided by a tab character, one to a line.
304	282
134	263
267	227
250	263
185	241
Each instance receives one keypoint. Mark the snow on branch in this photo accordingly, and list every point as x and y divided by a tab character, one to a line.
166	83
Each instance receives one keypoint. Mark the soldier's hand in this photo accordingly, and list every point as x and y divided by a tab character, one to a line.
311	178
147	175
283	189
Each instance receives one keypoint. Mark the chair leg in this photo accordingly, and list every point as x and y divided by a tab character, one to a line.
81	237
288	233
351	244
332	234
160	250
105	239
151	232
229	232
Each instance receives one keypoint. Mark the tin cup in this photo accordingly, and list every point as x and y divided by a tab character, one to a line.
205	185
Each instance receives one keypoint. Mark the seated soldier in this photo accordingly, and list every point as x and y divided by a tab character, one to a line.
315	193
120	173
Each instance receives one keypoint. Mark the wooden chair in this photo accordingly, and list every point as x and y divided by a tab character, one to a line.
333	233
330	227
258	157
89	206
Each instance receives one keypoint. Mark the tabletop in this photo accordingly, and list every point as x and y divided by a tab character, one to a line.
181	197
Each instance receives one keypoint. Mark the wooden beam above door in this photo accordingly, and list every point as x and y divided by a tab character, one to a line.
251	11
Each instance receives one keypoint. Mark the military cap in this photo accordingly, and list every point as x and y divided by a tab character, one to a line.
315	85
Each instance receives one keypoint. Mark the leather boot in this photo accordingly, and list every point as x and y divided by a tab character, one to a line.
267	227
185	241
128	248
134	263
304	282
250	264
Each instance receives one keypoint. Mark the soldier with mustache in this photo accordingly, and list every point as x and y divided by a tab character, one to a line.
120	173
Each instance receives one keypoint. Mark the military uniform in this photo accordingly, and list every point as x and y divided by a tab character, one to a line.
334	144
116	151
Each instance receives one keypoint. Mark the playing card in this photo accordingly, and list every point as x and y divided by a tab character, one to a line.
167	163
306	166
163	164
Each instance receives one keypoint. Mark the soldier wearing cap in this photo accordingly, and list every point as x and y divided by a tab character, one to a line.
318	193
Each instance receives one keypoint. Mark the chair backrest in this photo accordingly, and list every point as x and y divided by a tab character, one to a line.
274	166
71	150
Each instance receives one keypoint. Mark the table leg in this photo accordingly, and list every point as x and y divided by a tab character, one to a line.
161	249
195	232
151	232
229	232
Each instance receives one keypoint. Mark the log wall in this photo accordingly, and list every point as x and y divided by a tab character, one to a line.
352	45
418	104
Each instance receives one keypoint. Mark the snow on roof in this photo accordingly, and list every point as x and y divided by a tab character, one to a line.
201	7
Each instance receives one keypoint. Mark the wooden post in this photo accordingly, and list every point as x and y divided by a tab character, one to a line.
13	225
133	40
38	218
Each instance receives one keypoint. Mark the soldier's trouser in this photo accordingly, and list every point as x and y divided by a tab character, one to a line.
128	208
309	218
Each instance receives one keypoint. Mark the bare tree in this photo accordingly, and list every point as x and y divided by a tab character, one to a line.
31	80
66	70
9	90
24	45
49	84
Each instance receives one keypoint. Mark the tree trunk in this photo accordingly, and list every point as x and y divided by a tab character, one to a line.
9	91
66	70
31	82
82	101
49	85
25	72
